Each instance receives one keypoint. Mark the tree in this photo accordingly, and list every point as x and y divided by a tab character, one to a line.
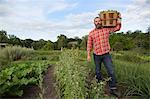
15	40
3	36
78	41
129	32
35	45
118	46
148	29
137	31
74	42
83	44
62	41
38	44
28	43
49	45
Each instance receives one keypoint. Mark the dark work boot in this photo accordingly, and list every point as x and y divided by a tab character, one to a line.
115	92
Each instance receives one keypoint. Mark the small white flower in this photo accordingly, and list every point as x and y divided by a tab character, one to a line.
101	83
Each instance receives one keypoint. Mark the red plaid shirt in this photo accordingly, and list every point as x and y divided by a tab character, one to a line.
98	40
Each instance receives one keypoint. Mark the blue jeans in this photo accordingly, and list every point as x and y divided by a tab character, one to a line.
107	61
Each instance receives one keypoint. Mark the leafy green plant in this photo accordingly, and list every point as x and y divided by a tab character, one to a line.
97	89
40	83
71	75
17	76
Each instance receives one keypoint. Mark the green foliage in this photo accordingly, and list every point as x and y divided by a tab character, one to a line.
83	44
132	73
61	42
118	46
40	83
71	75
28	43
45	55
37	45
142	40
131	56
134	76
97	89
118	41
13	40
121	42
129	40
14	53
3	36
17	76
48	46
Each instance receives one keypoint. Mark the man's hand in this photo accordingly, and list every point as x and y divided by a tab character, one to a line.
119	18
119	15
89	58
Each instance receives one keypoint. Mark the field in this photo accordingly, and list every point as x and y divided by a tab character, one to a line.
65	74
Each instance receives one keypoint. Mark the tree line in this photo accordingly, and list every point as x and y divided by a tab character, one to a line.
118	41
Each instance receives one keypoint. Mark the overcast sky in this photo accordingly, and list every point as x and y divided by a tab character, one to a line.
47	19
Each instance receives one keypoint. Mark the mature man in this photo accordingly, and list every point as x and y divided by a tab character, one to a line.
98	40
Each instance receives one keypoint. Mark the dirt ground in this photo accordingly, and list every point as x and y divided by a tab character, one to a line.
49	84
32	92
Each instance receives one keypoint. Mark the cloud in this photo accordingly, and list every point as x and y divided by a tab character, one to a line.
30	18
75	24
60	5
29	21
136	15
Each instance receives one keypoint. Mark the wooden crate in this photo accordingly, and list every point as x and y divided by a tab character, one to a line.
109	18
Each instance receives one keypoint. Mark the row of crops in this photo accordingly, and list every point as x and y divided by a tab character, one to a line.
74	77
17	76
72	72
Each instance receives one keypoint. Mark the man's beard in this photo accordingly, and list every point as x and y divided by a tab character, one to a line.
98	26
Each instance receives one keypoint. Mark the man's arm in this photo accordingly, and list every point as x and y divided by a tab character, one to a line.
89	47
118	26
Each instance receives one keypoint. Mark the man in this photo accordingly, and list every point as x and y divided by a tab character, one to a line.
98	40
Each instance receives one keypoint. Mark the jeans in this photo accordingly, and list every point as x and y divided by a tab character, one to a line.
107	61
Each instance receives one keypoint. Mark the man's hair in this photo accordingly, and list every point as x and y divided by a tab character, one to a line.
97	17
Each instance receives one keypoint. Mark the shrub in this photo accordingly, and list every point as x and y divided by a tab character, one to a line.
13	53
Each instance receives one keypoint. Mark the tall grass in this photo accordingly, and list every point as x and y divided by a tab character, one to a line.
45	55
135	76
131	56
13	53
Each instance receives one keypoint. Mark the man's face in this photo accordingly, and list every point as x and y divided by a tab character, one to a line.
98	23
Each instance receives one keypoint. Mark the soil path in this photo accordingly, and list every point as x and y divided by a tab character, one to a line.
32	92
49	84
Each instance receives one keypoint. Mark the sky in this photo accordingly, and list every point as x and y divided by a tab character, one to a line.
47	19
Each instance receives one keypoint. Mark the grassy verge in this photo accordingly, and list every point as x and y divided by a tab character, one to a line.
134	76
10	54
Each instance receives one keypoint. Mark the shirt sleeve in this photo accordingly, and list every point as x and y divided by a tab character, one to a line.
117	28
89	44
